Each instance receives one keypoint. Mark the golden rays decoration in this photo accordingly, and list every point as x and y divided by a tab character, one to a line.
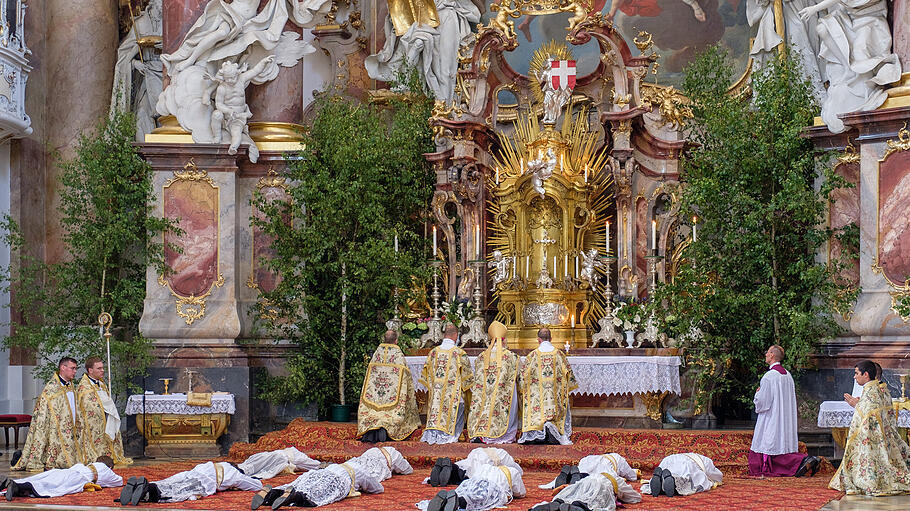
550	49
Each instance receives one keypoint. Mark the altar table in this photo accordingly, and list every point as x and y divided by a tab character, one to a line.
650	377
838	415
173	428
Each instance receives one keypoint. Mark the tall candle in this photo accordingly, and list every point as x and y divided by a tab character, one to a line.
654	234
694	228
434	242
576	267
527	266
573	320
554	266
497	176
586	173
396	243
514	266
565	265
477	241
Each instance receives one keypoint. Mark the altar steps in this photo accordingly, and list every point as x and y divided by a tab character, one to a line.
643	448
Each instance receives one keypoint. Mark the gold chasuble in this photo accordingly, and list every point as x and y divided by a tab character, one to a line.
53	436
875	458
100	422
496	371
447	376
388	400
546	380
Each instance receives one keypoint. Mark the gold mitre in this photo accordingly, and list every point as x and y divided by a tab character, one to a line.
542	7
497	331
405	13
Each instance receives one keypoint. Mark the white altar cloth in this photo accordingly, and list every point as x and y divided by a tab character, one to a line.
839	414
176	404
603	376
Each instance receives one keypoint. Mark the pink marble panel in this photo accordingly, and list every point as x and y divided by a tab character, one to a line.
194	204
266	279
178	16
893	220
901	32
642	230
843	211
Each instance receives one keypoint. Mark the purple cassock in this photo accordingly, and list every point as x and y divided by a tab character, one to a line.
775	448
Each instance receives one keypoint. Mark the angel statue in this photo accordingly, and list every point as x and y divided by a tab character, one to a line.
589	265
553	99
501	264
541	170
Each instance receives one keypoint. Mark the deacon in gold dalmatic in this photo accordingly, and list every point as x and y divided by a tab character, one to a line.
494	396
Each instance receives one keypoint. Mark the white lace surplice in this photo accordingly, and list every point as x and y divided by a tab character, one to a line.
435	436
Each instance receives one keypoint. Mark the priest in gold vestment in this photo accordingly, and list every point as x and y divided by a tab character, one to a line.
494	397
100	418
388	405
875	458
53	436
545	382
447	376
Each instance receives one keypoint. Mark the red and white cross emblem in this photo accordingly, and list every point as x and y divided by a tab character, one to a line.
562	73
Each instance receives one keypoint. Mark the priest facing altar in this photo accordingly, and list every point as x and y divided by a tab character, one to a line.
546	380
494	396
388	404
447	376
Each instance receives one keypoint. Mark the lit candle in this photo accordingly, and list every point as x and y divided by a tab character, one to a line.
554	266
565	265
527	266
514	266
573	320
497	176
586	174
477	241
607	229
576	267
522	163
694	228
434	242
396	243
654	234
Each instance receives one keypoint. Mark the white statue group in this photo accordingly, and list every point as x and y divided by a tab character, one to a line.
849	47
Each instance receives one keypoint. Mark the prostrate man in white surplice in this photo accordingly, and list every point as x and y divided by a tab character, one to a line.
494	396
327	485
775	448
599	491
100	418
64	481
53	436
546	380
683	474
447	377
611	462
201	481
492	480
266	465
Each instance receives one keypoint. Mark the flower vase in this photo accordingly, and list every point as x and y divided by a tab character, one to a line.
630	338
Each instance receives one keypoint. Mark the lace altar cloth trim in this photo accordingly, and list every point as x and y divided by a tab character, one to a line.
603	376
176	404
839	414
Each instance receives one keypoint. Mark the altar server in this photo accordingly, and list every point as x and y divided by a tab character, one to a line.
612	463
53	436
388	404
546	380
597	491
201	481
875	458
325	486
100	418
64	481
447	376
489	487
446	473
383	462
683	474
775	448
266	465
494	396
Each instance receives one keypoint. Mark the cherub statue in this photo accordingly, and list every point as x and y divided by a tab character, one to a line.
501	264
501	23
231	111
589	265
541	170
580	10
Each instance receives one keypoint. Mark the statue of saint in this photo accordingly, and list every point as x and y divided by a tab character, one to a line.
553	99
132	62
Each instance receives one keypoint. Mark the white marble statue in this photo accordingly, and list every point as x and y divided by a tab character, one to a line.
801	37
139	98
231	111
589	265
553	99
433	51
232	32
855	46
501	265
541	170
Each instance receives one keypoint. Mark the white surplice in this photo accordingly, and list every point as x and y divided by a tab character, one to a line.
203	480
775	404
612	463
65	481
382	462
266	465
336	482
492	456
600	492
490	487
693	473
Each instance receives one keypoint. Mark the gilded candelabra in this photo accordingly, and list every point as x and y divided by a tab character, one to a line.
607	334
434	332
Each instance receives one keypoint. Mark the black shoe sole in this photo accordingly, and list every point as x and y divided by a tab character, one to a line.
259	499
142	485
127	492
669	484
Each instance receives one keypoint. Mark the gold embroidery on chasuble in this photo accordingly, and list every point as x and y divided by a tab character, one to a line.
387	399
95	441
447	376
53	436
492	393
546	380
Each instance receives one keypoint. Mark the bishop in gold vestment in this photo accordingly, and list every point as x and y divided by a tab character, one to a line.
494	396
546	380
100	418
53	436
388	405
447	376
875	458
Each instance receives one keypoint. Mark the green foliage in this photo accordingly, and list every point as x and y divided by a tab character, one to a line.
753	279
361	179
110	238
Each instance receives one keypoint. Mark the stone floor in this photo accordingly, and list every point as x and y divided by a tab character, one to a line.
857	503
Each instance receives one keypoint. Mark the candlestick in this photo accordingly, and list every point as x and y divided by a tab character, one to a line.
434	242
694	228
654	234
477	241
607	228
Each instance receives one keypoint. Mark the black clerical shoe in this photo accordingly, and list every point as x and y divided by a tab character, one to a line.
803	467
445	500
17	455
142	486
669	484
657	482
441	475
265	496
14	489
568	475
127	492
292	497
11	491
814	465
4	482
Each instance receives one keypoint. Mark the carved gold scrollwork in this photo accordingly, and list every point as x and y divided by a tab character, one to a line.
654	403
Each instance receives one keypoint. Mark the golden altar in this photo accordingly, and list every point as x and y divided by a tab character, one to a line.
173	428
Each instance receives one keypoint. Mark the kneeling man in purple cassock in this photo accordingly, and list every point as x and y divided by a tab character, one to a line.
775	448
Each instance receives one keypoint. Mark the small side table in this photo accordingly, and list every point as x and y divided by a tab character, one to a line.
14	421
